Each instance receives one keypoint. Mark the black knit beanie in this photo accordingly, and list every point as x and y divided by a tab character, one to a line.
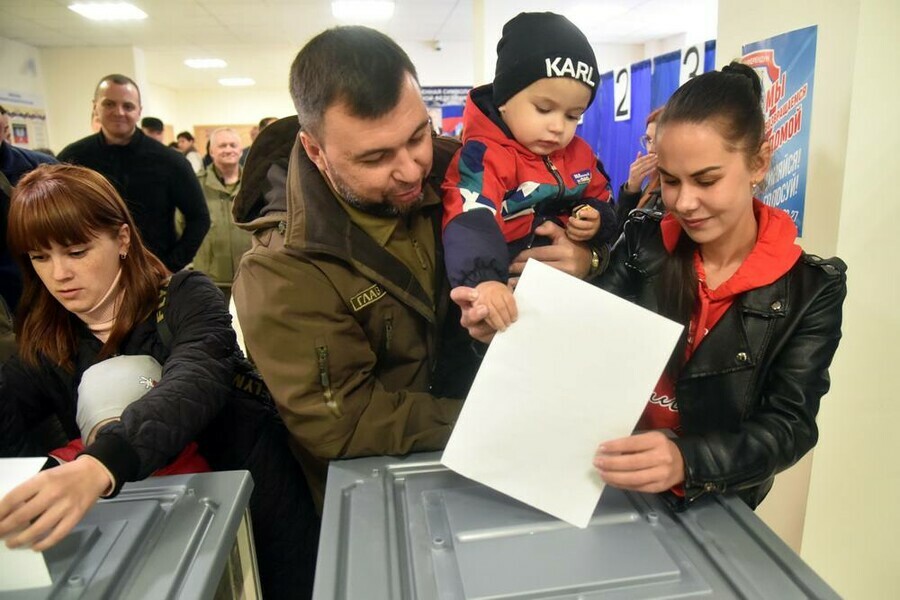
539	45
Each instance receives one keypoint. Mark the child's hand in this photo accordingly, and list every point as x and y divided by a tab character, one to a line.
501	305
583	224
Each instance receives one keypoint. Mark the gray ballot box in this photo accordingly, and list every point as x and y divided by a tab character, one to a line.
408	528
183	536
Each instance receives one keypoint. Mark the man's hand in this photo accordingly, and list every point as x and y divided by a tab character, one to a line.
645	462
51	503
583	224
473	315
639	170
569	257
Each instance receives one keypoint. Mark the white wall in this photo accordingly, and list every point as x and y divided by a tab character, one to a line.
71	75
231	106
20	68
848	537
852	521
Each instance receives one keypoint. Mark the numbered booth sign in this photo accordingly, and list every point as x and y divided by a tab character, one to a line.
692	59
622	93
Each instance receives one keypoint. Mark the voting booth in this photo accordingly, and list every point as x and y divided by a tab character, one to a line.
409	528
185	536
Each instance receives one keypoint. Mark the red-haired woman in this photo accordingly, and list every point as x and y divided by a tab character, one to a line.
91	296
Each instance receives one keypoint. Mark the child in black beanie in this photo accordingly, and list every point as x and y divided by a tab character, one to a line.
521	163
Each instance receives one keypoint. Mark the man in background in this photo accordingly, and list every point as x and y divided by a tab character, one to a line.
154	180
15	162
263	123
223	246
153	127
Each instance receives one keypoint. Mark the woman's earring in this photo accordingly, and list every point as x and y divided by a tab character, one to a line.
123	255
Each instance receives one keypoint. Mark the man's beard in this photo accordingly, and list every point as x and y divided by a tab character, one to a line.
375	208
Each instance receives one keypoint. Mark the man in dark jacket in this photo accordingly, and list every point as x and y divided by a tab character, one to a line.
154	180
343	298
14	163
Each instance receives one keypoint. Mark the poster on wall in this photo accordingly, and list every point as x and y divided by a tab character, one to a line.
786	66
28	119
445	107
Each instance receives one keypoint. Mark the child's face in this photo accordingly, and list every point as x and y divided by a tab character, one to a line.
543	116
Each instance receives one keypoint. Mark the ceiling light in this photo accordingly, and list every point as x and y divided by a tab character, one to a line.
108	11
362	10
236	81
206	63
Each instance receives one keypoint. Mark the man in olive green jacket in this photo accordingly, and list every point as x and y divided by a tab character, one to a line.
343	299
219	254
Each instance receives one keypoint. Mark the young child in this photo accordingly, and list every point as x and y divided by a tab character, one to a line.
521	163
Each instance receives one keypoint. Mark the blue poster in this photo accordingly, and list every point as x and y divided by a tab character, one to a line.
786	66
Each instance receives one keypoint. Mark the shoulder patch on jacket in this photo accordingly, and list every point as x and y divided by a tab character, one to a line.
832	266
367	297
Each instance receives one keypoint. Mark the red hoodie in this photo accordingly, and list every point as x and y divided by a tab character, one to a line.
773	255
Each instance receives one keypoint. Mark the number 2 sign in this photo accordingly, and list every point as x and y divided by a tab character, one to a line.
622	93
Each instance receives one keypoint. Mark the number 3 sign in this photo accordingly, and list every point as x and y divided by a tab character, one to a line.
691	63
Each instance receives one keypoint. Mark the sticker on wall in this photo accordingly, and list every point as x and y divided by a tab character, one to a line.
786	66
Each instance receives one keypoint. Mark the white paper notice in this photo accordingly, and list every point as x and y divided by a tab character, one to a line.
576	369
23	568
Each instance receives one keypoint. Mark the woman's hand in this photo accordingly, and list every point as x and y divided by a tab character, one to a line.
645	462
51	503
639	170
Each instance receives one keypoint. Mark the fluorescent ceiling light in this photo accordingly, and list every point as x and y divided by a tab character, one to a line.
236	81
108	11
362	10
206	63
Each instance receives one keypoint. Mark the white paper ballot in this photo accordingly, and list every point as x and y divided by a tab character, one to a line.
576	369
20	569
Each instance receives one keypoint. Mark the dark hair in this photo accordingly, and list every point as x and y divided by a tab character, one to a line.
3	111
69	205
265	122
358	66
153	124
186	135
730	99
118	79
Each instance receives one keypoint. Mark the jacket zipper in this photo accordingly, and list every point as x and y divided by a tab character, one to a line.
561	188
325	380
388	332
419	252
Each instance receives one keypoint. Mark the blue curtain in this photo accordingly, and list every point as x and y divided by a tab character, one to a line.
652	82
666	72
709	59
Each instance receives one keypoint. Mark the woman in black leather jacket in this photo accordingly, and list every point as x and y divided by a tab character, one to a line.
763	319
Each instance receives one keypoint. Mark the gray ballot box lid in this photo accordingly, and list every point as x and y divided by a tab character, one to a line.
409	528
164	537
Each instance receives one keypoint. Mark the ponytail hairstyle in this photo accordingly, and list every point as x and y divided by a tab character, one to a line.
730	101
71	205
653	182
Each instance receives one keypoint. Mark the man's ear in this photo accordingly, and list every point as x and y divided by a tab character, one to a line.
314	149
